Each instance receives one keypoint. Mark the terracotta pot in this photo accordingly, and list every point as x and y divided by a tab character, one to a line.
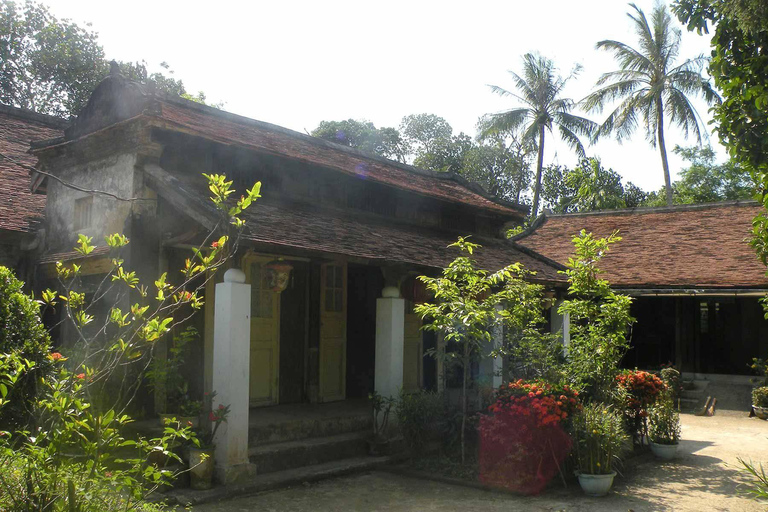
201	468
596	485
664	451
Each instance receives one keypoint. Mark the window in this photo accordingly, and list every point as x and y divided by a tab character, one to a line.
261	295
83	212
334	288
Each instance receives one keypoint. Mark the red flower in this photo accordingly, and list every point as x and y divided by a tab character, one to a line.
80	376
56	356
215	245
221	406
212	416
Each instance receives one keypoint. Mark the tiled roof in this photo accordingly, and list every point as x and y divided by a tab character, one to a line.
231	129
20	210
698	246
333	232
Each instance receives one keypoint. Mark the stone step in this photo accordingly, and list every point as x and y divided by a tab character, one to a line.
272	481
304	428
270	458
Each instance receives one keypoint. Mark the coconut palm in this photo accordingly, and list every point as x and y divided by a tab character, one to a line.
650	85
542	109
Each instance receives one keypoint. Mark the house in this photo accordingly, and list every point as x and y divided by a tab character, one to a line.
696	281
21	212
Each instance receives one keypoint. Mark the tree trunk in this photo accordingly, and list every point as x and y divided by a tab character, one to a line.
464	399
539	167
663	151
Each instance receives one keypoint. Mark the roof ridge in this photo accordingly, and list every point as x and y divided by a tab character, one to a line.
31	115
654	209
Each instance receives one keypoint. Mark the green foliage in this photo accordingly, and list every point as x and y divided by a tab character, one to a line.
420	416
540	88
599	320
587	187
759	483
599	438
22	335
664	421
363	135
469	302
674	382
381	406
760	396
501	165
649	84
138	72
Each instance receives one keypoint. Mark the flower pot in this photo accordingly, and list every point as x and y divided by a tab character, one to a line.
201	468
596	485
664	451
761	412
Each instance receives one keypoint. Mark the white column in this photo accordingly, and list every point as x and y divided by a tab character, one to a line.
491	367
561	322
231	373
390	339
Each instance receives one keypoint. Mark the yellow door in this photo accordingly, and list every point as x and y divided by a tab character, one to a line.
265	333
412	351
333	332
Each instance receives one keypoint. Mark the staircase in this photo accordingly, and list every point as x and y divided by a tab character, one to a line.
694	395
287	438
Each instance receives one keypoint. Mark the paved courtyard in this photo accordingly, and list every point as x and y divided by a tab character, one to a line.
703	478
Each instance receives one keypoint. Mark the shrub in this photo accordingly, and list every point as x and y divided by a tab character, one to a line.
22	334
523	441
641	390
420	416
599	438
671	377
664	422
760	396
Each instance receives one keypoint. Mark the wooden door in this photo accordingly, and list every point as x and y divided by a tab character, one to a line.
412	351
333	331
265	334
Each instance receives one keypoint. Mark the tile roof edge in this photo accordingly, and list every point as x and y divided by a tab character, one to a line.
346	149
31	115
639	210
535	255
541	219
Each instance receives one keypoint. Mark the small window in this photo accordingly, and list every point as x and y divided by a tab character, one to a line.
83	212
334	288
261	295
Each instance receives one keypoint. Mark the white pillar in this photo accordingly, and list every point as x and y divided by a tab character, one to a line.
561	323
231	373
390	339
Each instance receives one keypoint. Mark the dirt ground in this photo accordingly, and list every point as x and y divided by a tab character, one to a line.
703	478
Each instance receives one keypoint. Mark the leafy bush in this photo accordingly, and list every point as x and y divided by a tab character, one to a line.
671	377
22	334
599	438
420	416
664	422
641	390
760	396
522	440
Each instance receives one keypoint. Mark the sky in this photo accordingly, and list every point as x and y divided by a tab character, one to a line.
296	63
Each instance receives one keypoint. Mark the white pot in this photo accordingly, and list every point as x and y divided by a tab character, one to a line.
596	485
761	412
664	451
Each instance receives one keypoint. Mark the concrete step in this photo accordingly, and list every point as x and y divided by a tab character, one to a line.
270	458
299	428
278	480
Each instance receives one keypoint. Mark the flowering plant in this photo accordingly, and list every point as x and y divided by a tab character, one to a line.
522	441
665	422
599	437
216	416
641	390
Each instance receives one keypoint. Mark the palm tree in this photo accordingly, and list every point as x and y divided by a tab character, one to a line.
539	92
651	86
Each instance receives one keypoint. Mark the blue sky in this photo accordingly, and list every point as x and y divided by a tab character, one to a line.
295	63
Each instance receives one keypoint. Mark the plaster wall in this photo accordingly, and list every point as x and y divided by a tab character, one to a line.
115	174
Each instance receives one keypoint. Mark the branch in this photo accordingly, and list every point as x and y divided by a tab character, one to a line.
70	185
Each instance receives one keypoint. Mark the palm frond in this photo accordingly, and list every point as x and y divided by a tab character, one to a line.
572	140
628	57
579	125
502	122
683	114
617	90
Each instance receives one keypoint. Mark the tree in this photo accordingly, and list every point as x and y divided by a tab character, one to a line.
587	187
650	85
540	88
363	135
431	144
502	168
465	310
46	65
705	181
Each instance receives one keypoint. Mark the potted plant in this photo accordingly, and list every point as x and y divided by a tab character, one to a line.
189	412
664	431
760	402
201	453
599	438
381	406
